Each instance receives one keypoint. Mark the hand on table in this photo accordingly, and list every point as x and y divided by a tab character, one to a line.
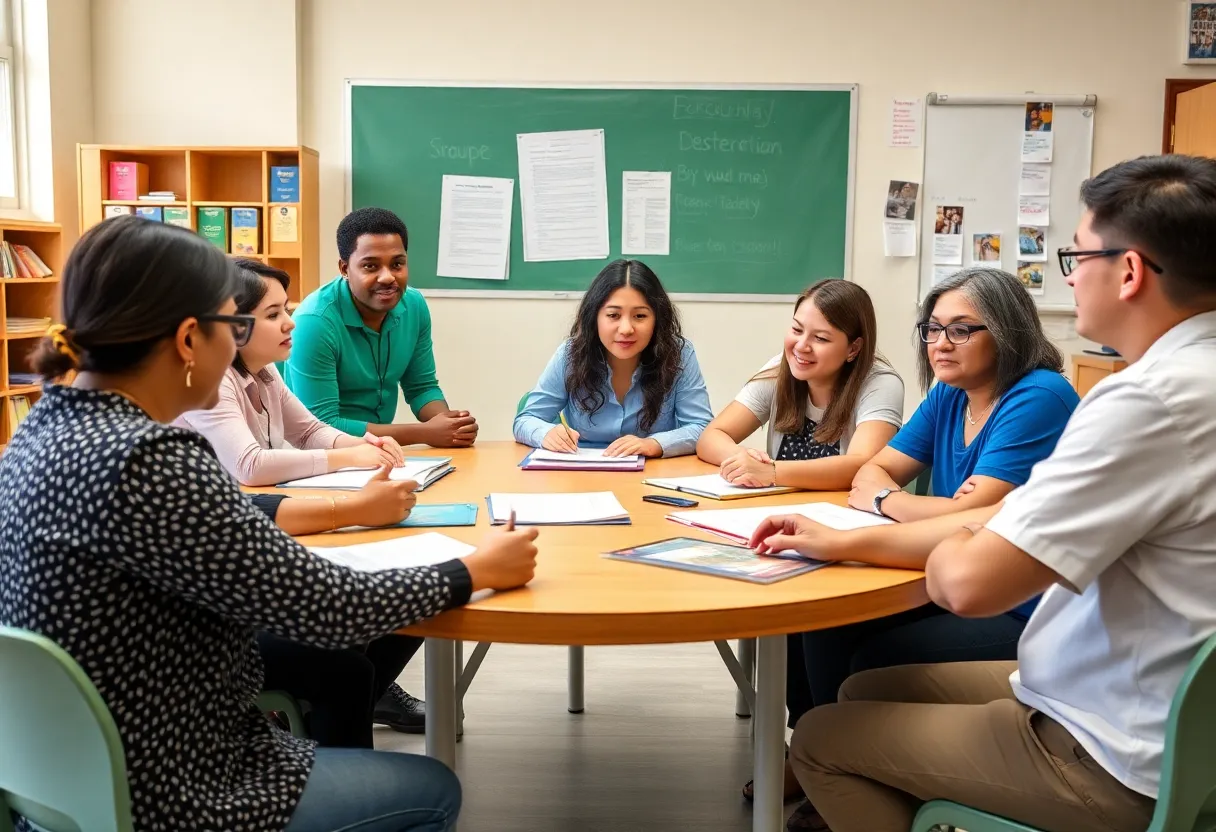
388	445
450	429
382	502
793	531
862	495
505	559
561	439
629	444
749	468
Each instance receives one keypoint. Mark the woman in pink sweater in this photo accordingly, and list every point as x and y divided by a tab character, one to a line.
261	432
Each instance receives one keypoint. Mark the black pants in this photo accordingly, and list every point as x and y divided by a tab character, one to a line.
820	661
342	687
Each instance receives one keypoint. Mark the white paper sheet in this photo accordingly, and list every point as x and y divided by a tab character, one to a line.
556	509
475	227
898	238
907	115
948	249
588	455
1037	146
1035	180
427	549
354	478
940	273
710	484
563	194
1034	210
646	212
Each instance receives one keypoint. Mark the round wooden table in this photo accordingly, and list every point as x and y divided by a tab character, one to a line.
578	597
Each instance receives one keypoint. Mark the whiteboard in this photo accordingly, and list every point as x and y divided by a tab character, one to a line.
973	152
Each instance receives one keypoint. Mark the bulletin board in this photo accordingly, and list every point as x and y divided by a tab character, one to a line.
973	159
761	185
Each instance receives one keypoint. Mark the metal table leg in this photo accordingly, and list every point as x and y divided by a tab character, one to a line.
747	659
441	700
769	726
575	672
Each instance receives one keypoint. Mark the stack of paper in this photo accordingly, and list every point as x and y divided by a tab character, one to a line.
423	470
714	487
599	508
426	549
738	524
584	459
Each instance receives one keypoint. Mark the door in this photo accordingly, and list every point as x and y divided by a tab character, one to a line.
1195	122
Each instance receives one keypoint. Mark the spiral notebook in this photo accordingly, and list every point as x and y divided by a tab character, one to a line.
423	470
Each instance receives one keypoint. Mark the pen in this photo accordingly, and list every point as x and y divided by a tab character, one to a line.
511	521
566	426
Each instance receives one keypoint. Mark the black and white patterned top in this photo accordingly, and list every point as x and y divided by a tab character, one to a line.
803	445
127	543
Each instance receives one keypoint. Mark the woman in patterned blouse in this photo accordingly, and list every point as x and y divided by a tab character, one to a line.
125	541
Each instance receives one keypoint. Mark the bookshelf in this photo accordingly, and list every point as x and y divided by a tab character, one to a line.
217	177
26	298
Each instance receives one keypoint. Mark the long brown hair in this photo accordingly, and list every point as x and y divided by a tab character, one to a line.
848	308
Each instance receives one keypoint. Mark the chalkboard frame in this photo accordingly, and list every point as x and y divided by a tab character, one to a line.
852	89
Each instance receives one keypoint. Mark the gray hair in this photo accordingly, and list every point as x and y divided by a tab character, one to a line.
1005	307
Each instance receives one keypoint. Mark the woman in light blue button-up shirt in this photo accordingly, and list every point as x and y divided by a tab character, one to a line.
626	378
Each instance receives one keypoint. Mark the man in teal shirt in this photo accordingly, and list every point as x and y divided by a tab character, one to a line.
359	337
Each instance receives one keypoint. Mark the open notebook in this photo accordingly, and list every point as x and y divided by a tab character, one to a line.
738	524
599	508
713	487
584	459
423	470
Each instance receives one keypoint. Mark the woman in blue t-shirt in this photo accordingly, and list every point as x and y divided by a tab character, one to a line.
998	406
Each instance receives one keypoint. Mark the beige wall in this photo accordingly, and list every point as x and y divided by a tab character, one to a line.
489	352
69	25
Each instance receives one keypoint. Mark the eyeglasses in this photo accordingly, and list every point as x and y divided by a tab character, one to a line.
242	325
1071	258
956	334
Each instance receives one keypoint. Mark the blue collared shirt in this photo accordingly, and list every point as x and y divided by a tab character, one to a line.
684	415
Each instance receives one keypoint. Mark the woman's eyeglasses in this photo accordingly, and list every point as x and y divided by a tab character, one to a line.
242	326
956	334
1071	258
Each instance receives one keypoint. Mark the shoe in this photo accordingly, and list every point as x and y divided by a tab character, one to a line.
400	711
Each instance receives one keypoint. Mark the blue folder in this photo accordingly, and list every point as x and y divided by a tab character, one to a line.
428	515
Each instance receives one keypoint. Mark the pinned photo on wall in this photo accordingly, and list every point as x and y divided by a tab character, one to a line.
1035	180
1037	138
1034	210
1031	275
948	235
1031	242
985	248
901	200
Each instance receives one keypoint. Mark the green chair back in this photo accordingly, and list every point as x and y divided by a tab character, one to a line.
280	701
1187	799
523	400
922	486
61	758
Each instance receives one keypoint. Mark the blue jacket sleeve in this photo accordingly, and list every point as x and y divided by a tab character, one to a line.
545	402
692	411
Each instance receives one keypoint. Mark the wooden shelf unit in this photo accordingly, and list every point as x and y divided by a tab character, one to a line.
230	177
26	298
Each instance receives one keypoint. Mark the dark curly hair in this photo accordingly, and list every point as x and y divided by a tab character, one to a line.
587	368
368	221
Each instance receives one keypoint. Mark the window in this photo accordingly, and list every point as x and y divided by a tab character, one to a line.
9	149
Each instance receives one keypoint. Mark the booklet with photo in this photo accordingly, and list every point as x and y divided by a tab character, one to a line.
711	558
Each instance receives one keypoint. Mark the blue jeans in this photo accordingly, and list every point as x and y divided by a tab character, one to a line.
820	661
377	791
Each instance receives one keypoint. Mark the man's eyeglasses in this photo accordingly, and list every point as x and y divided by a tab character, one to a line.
242	326
956	334
1071	258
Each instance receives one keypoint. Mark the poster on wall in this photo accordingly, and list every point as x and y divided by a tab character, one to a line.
1200	33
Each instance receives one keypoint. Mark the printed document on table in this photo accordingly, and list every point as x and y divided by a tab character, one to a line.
428	549
557	509
587	455
646	212
563	194
475	227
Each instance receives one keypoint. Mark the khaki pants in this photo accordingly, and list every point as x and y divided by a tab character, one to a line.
901	736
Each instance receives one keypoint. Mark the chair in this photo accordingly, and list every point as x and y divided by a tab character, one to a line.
282	702
61	758
1187	800
922	486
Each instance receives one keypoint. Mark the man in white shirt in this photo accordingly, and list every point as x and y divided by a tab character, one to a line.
1117	526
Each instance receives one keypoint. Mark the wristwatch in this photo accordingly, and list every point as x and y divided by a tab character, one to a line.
878	498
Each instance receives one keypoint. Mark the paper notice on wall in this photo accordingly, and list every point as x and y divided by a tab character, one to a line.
940	273
1034	210
1035	180
646	212
898	238
907	118
563	194
475	227
1038	137
948	235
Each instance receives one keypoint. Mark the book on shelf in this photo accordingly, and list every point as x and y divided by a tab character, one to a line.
18	408
246	230
150	212
128	179
177	216
159	196
213	225
285	225
118	211
23	379
26	326
19	261
285	183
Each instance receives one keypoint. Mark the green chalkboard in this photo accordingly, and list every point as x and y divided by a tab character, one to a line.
761	181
